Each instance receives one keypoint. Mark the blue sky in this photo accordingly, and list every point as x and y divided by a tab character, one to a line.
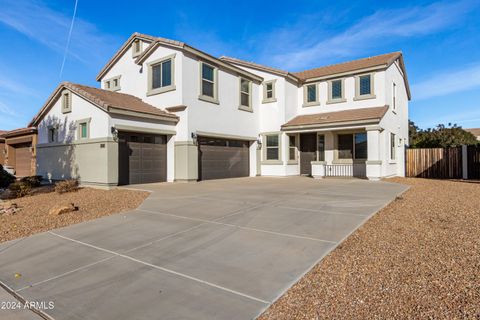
440	41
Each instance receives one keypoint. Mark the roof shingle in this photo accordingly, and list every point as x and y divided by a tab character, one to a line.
384	59
325	118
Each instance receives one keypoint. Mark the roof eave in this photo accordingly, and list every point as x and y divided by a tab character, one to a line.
331	124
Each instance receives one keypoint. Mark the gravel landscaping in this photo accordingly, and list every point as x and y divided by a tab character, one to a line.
33	215
417	258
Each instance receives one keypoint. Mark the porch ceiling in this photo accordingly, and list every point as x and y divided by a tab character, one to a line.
355	117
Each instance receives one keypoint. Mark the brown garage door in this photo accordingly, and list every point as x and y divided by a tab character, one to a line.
142	158
222	158
23	159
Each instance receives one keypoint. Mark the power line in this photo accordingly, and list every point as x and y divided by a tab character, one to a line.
68	39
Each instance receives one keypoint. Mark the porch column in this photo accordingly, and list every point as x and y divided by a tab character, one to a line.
374	161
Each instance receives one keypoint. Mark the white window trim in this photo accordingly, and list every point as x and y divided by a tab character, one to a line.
78	127
372	87
203	97
150	90
295	147
274	96
277	161
137	53
394	97
393	147
331	100
66	109
240	106
311	103
111	81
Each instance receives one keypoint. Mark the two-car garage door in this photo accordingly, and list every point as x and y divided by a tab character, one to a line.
143	158
222	158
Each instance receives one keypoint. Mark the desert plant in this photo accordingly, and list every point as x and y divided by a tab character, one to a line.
5	178
19	189
33	181
66	186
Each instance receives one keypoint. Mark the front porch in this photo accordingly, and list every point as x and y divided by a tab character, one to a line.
337	153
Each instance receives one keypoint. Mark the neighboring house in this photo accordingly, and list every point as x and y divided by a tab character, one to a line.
19	150
170	112
475	132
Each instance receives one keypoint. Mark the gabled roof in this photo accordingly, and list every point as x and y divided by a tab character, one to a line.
154	42
260	67
109	101
474	131
369	115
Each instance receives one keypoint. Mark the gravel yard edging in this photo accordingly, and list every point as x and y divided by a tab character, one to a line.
407	187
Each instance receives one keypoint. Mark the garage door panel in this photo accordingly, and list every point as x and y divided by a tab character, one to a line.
221	158
23	158
146	158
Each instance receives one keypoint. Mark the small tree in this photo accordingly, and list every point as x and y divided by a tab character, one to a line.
440	137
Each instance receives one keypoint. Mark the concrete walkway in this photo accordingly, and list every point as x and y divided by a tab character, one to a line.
223	249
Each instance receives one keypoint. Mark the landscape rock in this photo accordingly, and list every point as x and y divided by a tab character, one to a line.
62	209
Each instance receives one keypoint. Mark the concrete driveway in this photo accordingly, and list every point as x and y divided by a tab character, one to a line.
223	249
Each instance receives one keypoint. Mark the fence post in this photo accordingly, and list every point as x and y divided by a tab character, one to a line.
464	162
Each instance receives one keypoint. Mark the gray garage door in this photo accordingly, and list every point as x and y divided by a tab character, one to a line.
222	158
142	158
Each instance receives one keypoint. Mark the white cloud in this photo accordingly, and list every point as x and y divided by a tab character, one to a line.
447	82
42	24
309	46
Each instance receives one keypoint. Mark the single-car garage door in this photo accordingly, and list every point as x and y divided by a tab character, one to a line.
23	159
222	158
142	158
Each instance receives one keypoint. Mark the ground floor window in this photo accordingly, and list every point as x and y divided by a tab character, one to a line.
321	147
272	147
352	146
392	146
292	148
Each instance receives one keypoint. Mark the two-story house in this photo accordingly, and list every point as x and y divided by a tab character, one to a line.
169	112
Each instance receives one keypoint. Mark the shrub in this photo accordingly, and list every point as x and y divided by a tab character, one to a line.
32	181
19	189
66	186
5	178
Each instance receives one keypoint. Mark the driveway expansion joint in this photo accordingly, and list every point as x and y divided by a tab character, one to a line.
165	269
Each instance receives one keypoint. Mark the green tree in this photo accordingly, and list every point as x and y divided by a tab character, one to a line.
440	137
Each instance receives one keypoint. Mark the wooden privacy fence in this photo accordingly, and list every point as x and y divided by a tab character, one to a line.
440	163
473	162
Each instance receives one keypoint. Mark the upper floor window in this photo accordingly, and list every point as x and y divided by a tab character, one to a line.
112	84
208	83
336	91
245	94
66	101
269	91
394	96
136	47
364	87
310	95
161	75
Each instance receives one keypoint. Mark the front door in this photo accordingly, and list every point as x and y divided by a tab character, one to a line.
308	152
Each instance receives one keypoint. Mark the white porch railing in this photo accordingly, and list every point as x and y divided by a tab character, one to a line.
339	170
